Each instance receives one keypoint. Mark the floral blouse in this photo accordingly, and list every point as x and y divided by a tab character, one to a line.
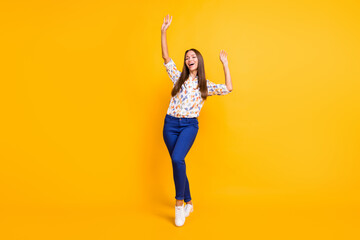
188	102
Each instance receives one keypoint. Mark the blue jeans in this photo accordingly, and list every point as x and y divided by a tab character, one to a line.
179	135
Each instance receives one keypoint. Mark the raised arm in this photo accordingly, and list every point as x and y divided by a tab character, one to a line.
223	59
164	27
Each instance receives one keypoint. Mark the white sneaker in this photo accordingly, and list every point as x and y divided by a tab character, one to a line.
179	215
188	209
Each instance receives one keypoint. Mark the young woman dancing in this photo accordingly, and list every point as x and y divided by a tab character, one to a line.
190	89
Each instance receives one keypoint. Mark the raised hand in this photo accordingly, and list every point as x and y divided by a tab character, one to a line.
166	24
223	57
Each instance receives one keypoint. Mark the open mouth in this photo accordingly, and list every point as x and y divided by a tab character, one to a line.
191	64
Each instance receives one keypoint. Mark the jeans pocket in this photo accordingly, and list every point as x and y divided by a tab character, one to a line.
195	125
167	118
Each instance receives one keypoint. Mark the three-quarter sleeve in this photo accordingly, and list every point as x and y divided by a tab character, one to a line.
172	71
216	89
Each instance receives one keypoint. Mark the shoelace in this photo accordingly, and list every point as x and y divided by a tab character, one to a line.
178	210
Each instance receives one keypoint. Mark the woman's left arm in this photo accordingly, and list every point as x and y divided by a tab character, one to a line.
223	59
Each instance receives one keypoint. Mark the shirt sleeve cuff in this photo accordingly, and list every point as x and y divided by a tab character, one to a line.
169	63
225	89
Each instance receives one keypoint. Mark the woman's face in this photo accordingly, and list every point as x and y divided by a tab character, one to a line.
191	60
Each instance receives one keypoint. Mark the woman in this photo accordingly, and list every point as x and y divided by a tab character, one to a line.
189	91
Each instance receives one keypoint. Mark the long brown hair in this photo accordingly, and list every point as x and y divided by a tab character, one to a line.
185	75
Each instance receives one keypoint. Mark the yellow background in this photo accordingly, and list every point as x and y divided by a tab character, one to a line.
84	94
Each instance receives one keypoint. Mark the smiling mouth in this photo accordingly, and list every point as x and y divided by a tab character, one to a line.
191	64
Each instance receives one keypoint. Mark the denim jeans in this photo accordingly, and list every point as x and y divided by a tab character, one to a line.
179	135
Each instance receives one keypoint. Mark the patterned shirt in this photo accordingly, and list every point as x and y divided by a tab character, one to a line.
188	102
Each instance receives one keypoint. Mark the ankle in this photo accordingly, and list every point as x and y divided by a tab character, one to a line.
179	203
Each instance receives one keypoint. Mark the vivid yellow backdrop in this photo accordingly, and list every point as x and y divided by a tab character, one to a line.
84	94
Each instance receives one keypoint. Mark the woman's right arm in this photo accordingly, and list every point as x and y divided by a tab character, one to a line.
164	27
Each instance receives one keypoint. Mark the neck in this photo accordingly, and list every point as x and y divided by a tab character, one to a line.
193	73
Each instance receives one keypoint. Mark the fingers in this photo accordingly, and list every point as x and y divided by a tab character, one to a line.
223	53
167	19
223	57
